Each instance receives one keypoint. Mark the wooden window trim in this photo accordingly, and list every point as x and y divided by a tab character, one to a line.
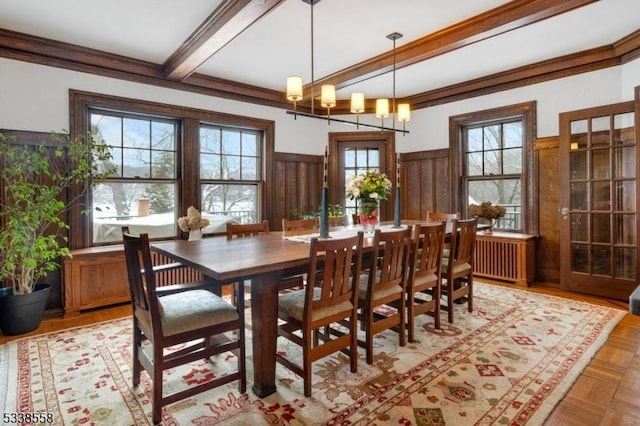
189	193
527	111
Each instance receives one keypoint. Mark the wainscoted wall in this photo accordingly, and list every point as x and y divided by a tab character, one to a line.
425	183
297	182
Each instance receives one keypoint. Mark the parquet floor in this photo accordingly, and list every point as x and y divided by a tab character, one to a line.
606	393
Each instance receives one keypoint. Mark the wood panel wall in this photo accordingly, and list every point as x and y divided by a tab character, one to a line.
297	182
425	183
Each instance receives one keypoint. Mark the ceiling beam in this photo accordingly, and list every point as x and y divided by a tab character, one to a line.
224	24
510	16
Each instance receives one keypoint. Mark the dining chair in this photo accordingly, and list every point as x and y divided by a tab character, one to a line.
241	230
457	268
300	226
425	279
235	230
441	216
329	297
355	219
183	316
384	284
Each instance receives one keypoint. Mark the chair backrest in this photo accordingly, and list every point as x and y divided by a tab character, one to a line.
390	260
442	217
247	230
142	284
334	265
427	248
300	226
355	219
463	242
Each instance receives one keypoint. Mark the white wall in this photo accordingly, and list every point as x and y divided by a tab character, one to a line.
36	98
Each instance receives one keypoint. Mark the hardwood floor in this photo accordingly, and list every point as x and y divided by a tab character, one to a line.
606	393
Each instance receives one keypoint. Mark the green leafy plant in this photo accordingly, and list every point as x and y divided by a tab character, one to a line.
34	180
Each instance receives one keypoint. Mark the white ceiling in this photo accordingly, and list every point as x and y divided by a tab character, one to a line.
346	32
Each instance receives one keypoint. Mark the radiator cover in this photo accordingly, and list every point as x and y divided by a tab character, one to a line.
505	256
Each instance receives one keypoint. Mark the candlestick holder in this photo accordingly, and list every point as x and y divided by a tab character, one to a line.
324	214
396	209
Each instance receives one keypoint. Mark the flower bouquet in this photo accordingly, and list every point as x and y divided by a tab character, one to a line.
369	188
487	211
192	223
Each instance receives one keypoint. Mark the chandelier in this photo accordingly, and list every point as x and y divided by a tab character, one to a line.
328	95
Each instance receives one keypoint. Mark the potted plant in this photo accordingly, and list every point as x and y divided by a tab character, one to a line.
34	182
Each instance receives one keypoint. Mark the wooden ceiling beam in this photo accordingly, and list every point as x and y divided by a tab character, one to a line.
224	24
510	16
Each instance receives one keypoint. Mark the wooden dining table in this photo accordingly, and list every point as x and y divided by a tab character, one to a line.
263	259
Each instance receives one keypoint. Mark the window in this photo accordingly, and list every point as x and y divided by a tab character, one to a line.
493	168
230	172
142	193
492	159
157	150
358	160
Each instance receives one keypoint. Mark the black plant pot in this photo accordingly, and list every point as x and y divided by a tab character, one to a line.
22	313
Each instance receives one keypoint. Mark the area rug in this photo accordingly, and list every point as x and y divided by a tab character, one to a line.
507	363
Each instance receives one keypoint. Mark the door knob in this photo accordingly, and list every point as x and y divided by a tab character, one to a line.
564	212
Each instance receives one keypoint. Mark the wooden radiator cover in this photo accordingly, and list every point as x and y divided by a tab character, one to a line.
97	276
505	256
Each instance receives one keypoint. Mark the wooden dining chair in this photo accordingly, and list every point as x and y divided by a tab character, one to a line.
384	284
425	280
457	268
330	297
187	316
292	227
441	216
241	230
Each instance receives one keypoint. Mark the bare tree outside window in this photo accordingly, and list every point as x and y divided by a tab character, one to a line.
229	172
493	172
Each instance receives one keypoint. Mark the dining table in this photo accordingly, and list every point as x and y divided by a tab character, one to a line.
265	260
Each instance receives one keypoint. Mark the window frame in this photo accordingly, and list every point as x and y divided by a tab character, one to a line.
525	112
239	181
188	169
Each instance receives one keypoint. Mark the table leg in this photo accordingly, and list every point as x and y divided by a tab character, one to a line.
264	321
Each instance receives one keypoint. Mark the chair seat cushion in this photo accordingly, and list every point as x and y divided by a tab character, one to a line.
422	280
194	309
292	304
461	269
364	284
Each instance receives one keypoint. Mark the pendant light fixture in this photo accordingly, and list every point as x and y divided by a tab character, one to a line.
402	111
328	94
357	106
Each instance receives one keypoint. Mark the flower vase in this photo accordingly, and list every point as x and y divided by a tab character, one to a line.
195	234
369	214
489	230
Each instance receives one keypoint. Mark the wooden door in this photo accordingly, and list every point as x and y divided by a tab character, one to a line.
599	201
353	153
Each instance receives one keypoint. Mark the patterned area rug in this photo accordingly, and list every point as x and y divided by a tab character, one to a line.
509	362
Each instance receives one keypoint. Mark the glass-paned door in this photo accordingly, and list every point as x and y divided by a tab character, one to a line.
599	193
355	153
